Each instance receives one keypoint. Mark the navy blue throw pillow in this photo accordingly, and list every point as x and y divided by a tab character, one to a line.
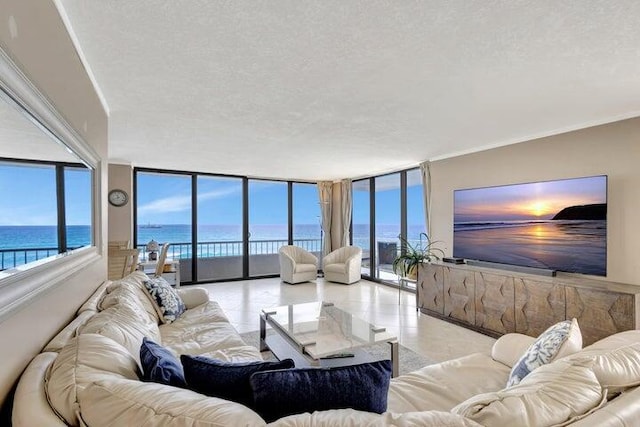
225	380
280	393
159	365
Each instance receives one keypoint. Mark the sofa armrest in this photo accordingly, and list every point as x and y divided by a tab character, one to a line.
118	402
193	297
509	348
30	404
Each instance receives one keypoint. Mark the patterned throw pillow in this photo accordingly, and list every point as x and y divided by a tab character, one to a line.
549	345
168	303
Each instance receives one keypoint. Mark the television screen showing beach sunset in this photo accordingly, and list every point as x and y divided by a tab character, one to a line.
558	225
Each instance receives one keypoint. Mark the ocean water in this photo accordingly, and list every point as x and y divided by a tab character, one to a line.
181	233
42	236
575	246
228	238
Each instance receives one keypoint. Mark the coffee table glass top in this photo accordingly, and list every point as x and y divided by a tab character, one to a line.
321	329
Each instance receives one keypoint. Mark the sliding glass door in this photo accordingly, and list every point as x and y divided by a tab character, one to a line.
307	232
361	222
220	247
164	214
268	225
388	227
394	204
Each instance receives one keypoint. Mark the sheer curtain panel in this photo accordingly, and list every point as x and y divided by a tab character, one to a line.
325	192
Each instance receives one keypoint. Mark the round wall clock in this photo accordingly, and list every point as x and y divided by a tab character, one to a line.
118	197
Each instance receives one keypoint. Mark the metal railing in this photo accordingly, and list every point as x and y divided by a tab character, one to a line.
11	258
232	248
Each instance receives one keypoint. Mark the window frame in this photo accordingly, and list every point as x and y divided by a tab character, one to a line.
245	221
372	217
25	283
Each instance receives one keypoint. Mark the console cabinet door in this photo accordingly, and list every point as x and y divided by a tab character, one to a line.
459	295
430	288
494	302
600	313
538	305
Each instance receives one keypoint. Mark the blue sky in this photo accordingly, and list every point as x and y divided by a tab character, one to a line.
30	195
388	206
166	199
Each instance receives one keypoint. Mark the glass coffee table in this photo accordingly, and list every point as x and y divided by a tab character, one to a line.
321	334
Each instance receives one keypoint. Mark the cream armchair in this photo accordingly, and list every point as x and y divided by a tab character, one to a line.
343	265
297	265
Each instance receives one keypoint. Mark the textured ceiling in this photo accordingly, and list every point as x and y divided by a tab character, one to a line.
342	88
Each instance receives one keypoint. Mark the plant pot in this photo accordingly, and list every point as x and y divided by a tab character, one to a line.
412	274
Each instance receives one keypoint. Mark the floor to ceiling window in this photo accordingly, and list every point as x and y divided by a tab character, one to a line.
361	222
268	225
394	203
388	227
224	227
415	206
307	232
164	214
220	228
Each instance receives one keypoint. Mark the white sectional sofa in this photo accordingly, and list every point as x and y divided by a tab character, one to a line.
89	375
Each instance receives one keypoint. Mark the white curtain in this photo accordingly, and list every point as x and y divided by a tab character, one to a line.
425	171
325	192
347	203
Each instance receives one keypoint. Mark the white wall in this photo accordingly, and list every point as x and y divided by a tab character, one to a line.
121	218
612	150
43	50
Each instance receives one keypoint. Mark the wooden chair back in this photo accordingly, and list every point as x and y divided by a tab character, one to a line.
162	256
120	244
122	262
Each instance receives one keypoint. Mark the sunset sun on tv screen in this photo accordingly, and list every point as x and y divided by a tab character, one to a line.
557	225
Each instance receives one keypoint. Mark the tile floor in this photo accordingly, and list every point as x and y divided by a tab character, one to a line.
242	301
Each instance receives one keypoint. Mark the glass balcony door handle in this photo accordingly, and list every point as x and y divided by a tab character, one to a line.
248	234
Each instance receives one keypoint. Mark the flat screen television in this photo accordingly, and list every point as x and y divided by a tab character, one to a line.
556	225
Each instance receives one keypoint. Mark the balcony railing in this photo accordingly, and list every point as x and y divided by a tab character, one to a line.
11	258
233	248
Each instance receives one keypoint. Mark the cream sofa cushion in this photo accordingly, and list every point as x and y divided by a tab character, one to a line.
63	337
442	386
205	330
214	339
126	325
352	418
85	359
616	361
135	283
553	394
121	402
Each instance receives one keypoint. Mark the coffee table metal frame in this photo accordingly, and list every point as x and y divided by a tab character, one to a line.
297	339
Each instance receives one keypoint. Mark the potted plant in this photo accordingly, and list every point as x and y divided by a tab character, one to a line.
406	263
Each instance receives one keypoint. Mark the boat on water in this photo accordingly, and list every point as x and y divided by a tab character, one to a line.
149	225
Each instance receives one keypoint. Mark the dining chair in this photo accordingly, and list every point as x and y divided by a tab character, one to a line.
121	262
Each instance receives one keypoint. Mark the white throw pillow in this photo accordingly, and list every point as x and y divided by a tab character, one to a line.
562	339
